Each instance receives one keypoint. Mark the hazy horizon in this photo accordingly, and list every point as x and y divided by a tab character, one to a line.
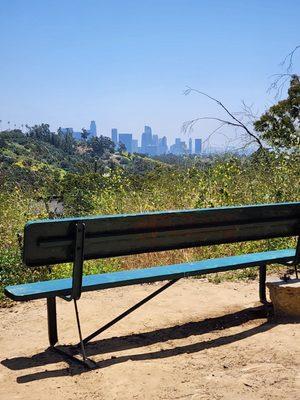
126	64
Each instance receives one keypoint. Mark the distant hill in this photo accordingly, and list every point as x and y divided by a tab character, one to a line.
24	157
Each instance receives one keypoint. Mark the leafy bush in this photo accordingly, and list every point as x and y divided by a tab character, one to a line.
230	180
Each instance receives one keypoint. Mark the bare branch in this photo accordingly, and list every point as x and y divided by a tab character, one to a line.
186	125
281	79
237	122
289	59
213	132
279	83
248	112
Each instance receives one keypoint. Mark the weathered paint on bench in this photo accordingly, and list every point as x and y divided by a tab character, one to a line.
52	241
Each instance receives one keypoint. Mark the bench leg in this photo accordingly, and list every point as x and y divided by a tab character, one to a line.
52	320
85	360
53	339
262	284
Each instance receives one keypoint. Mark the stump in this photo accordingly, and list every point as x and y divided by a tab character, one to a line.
285	297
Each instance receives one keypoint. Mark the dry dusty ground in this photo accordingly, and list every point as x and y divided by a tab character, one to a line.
197	340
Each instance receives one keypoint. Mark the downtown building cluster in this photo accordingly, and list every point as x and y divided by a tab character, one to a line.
150	144
153	145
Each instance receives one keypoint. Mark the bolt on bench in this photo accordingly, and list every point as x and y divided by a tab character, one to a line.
78	239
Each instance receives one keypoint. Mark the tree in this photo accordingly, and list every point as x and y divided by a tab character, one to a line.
41	132
84	134
122	148
100	145
280	125
68	143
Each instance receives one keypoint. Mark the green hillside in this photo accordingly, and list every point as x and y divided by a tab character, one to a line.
38	172
25	155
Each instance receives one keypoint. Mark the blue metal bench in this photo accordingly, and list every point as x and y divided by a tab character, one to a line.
77	239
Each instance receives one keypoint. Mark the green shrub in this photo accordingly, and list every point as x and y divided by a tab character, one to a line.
224	181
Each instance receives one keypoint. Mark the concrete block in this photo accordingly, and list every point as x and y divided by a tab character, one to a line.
285	297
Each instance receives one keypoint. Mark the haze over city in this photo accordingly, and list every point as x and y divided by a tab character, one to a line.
126	65
148	143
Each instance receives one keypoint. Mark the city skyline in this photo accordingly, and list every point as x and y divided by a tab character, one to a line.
147	143
93	132
131	61
153	145
205	145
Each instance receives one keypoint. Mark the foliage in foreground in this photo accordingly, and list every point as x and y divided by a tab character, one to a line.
263	178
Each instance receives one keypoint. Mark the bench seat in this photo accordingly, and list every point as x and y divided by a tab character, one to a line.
62	287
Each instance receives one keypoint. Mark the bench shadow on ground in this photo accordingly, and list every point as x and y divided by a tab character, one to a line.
135	341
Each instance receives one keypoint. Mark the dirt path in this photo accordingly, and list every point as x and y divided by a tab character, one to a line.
197	340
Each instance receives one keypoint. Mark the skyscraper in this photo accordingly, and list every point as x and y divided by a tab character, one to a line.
67	130
126	139
114	135
190	146
198	146
179	147
93	129
148	129
76	135
155	140
135	146
146	138
162	145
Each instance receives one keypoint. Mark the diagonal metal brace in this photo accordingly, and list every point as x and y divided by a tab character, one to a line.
127	312
84	360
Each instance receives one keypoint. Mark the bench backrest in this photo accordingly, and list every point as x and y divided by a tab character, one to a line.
52	241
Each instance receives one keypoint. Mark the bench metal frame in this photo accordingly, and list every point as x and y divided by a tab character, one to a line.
52	326
48	242
76	294
52	320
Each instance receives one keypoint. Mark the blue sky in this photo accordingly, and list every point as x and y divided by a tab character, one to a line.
126	63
